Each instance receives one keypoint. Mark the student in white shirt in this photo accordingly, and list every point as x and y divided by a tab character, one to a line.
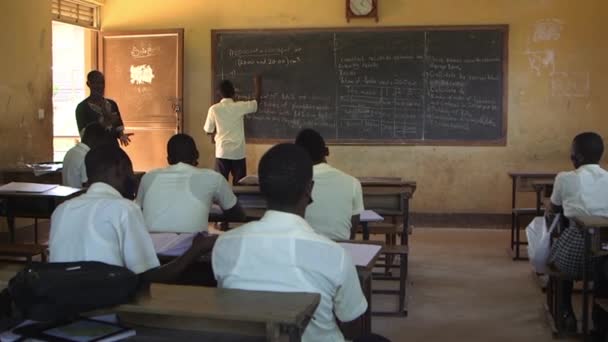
583	191
104	225
225	125
73	172
282	253
337	196
178	198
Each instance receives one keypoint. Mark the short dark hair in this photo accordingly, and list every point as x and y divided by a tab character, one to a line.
284	173
590	146
101	159
94	74
181	148
95	134
226	89
313	143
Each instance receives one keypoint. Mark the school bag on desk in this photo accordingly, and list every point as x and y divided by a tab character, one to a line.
55	291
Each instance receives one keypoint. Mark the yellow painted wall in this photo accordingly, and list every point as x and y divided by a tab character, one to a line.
557	84
25	81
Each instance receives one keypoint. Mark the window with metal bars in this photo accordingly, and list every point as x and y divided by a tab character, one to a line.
77	12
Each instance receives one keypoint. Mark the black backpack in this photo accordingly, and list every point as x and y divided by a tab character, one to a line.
55	291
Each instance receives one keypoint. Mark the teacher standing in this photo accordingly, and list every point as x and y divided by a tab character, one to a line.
98	109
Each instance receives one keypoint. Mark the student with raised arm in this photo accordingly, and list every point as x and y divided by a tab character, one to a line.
281	252
74	172
583	191
178	198
337	196
105	225
225	125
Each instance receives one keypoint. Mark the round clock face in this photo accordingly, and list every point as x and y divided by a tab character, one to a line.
361	7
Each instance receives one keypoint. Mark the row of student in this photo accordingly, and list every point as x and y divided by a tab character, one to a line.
583	191
179	198
280	252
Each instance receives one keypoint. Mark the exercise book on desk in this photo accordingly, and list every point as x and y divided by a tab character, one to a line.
27	187
361	254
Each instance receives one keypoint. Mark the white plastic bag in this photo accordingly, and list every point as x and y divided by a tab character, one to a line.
539	242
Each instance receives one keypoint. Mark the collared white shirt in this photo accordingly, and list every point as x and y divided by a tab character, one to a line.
336	197
583	191
74	172
178	198
101	225
282	253
226	119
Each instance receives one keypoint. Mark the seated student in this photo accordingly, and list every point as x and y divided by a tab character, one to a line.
74	173
105	225
178	198
337	196
583	191
282	253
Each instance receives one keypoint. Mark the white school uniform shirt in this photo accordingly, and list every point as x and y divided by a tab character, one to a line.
336	197
178	198
583	191
101	225
226	119
282	253
74	172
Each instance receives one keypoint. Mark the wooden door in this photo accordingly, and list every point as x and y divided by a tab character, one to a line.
144	73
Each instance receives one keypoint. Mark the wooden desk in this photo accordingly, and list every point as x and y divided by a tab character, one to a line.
521	182
34	205
30	175
275	315
589	225
543	189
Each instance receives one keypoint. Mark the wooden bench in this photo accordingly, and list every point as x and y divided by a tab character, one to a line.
27	251
553	293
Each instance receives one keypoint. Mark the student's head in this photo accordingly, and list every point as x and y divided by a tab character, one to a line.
285	176
587	148
96	135
314	144
226	89
181	148
96	82
111	165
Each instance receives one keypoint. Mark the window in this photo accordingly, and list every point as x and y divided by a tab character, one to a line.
77	12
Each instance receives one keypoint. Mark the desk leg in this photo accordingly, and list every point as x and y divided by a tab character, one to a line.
403	284
10	218
365	229
586	265
513	192
405	238
538	194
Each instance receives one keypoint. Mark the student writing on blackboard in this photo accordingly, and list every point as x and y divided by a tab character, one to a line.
98	109
225	125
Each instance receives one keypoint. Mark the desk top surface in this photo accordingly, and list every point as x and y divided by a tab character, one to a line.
532	174
592	221
225	304
365	181
58	192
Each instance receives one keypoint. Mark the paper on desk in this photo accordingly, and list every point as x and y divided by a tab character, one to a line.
249	180
8	335
370	216
27	187
361	254
172	244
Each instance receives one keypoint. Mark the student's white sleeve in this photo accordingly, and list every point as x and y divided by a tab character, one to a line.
141	191
249	107
349	302
223	194
357	198
556	196
137	246
209	126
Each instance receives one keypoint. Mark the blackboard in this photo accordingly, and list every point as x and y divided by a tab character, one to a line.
398	85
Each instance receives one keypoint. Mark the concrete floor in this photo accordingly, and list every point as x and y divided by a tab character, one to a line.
462	287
